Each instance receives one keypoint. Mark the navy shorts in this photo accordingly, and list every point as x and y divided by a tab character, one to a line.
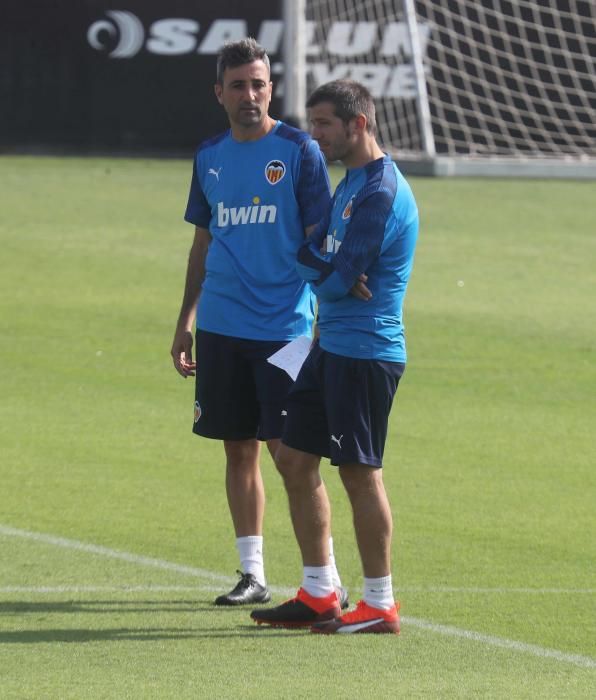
339	407
238	394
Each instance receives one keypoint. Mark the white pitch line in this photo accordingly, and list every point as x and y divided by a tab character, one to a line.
497	590
112	553
75	545
124	588
489	640
576	659
222	578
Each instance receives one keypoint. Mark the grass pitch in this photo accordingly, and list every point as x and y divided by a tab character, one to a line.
114	530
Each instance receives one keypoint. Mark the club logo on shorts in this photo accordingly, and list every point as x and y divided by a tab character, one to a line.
275	171
198	411
347	212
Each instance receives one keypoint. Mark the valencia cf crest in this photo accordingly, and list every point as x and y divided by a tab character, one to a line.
275	171
197	411
347	212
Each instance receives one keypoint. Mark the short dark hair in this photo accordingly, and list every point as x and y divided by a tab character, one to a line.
239	53
349	98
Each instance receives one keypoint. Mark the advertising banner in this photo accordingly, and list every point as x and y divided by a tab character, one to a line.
126	76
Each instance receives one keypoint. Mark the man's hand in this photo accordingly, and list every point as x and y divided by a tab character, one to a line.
360	290
182	353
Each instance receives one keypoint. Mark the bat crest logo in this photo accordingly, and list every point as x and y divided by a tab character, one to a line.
347	212
275	171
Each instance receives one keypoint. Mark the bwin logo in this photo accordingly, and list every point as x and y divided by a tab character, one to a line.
256	214
127	26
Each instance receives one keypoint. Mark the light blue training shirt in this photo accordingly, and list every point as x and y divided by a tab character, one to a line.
256	198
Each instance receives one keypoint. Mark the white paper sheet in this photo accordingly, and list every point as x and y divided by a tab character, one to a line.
292	355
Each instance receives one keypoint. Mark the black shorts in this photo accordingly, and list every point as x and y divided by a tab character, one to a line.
238	394
339	407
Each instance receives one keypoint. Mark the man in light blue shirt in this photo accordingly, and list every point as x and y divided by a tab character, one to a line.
257	190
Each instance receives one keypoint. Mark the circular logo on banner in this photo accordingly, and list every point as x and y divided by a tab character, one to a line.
275	171
128	27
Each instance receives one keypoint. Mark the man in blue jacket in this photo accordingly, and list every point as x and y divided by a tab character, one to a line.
358	262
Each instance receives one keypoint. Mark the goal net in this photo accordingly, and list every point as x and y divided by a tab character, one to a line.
468	83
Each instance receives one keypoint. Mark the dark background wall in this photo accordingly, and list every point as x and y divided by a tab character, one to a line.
102	76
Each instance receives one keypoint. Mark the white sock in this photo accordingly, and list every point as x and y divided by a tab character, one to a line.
317	581
378	592
334	572
250	550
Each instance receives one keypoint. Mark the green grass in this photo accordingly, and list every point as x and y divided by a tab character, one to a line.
489	466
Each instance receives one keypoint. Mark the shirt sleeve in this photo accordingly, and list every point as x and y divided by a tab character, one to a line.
198	211
314	189
360	247
311	261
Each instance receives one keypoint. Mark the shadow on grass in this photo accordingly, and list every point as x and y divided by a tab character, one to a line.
104	606
206	611
81	636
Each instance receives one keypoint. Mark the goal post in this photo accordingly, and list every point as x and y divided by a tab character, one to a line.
294	60
424	116
470	87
